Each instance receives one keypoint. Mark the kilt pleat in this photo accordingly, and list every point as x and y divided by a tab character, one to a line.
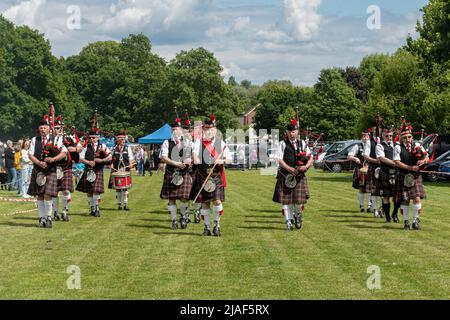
285	195
404	194
371	180
356	183
171	191
91	187
218	194
50	188
66	183
384	188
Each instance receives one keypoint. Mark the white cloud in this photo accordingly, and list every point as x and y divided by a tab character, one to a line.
127	19
25	12
241	23
302	19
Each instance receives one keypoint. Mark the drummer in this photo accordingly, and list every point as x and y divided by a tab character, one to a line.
95	156
122	161
176	153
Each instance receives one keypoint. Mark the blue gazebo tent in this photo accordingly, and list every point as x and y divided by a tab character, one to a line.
157	137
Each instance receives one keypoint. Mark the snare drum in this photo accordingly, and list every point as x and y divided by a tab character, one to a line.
121	180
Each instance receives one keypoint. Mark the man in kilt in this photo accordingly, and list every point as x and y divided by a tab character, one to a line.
65	184
371	157
210	153
45	151
386	180
360	181
291	190
409	184
176	153
95	156
122	159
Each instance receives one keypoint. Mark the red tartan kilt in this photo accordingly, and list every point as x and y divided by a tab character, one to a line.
171	191
50	188
371	180
91	187
284	195
218	194
355	183
384	187
404	194
110	183
66	183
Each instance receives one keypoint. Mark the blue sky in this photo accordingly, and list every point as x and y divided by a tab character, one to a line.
256	40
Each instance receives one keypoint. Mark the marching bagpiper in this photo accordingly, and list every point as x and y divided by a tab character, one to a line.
210	153
360	180
409	184
176	153
386	176
95	156
291	190
64	169
371	157
122	161
45	151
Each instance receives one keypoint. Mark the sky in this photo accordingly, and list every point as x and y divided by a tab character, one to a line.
256	40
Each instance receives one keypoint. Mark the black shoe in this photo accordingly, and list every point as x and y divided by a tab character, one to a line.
216	231
188	217
92	212
97	213
65	215
206	232
361	209
406	225
119	207
298	221
289	225
42	222
49	223
416	225
381	214
183	223
369	210
56	216
174	225
395	218
125	207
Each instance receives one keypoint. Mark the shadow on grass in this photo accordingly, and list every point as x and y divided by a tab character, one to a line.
333	178
340	211
266	221
392	227
25	218
22	225
156	220
149	226
263	216
262	228
157	212
347	216
264	211
178	233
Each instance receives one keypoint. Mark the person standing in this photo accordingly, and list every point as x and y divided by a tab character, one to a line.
9	165
27	167
371	157
291	190
17	155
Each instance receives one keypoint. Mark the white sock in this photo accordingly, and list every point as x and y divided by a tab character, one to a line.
285	209
183	208
361	199
216	211
48	207
415	211
95	198
119	197
291	211
91	201
41	208
207	219
405	210
173	211
374	203
125	197
368	200
55	202
65	201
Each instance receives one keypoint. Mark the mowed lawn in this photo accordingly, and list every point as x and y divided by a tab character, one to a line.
135	254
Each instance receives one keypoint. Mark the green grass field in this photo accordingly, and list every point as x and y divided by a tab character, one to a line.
135	255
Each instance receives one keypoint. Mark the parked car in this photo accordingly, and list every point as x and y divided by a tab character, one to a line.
338	162
334	148
440	164
441	144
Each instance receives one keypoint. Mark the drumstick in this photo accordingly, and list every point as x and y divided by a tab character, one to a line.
435	172
209	175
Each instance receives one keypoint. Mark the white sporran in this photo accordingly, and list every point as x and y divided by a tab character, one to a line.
290	181
177	179
210	185
409	180
41	179
377	173
91	176
59	173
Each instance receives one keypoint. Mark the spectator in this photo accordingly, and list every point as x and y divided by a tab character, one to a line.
27	168
253	159
2	151
17	156
9	165
140	160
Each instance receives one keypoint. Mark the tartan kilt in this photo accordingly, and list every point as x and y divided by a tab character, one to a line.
91	187
50	188
404	194
171	191
355	183
218	194
284	195
371	180
66	183
384	188
110	182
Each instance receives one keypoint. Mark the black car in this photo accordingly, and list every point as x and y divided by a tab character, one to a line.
338	162
437	144
438	165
